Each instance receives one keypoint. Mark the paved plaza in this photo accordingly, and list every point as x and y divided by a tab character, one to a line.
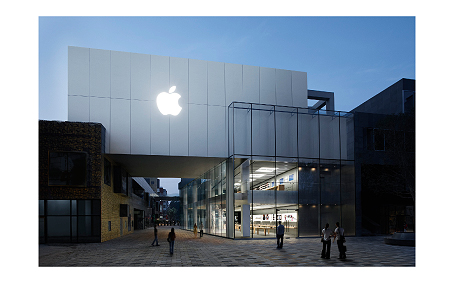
136	250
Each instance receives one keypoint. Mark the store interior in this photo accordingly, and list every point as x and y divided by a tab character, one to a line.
268	190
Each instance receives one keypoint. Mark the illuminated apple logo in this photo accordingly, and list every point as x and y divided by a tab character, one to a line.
168	102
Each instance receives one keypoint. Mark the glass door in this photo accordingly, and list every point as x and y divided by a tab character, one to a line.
289	218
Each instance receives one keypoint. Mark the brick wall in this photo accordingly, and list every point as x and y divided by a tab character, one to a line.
110	210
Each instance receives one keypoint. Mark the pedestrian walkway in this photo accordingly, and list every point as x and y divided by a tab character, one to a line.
136	250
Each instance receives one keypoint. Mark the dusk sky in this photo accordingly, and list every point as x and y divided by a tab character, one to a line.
354	57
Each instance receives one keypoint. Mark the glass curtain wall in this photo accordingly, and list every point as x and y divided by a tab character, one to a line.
204	202
287	164
293	165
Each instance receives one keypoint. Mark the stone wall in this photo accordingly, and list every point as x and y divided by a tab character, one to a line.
59	136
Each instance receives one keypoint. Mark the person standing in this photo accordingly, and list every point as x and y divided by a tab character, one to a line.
195	230
339	234
201	229
280	235
326	239
171	239
155	236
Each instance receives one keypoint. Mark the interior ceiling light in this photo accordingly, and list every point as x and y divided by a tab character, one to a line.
266	169
256	175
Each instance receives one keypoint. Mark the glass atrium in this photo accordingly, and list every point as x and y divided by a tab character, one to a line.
293	165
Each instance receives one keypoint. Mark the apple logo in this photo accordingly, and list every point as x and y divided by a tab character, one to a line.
168	102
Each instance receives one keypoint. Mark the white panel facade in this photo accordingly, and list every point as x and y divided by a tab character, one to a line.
100	112
233	83
179	128
251	85
140	77
99	73
179	77
179	124
140	127
120	74
216	86
160	132
79	108
198	145
198	92
299	89
217	131
119	90
160	75
120	126
267	86
78	71
284	87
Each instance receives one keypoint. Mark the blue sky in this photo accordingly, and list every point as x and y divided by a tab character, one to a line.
354	57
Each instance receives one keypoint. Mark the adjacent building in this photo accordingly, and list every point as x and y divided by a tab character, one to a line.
385	160
84	196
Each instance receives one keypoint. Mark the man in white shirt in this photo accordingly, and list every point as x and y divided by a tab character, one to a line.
327	233
339	234
280	235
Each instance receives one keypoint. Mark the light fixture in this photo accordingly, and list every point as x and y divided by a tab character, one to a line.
256	175
266	169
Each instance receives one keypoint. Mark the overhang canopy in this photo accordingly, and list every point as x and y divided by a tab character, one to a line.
165	166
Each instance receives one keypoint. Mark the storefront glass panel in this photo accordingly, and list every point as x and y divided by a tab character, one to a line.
348	197
286	132
287	164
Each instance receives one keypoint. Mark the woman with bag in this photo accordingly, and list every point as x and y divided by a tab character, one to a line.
171	239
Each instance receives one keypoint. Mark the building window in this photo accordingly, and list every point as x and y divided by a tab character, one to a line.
109	225
67	168
70	221
379	140
107	172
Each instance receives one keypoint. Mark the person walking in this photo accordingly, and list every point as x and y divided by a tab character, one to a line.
339	234
280	235
171	239
201	229
155	236
326	239
195	230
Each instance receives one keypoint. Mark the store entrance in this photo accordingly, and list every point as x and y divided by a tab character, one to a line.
289	218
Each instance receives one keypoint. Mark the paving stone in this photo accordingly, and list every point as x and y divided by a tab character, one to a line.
135	250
